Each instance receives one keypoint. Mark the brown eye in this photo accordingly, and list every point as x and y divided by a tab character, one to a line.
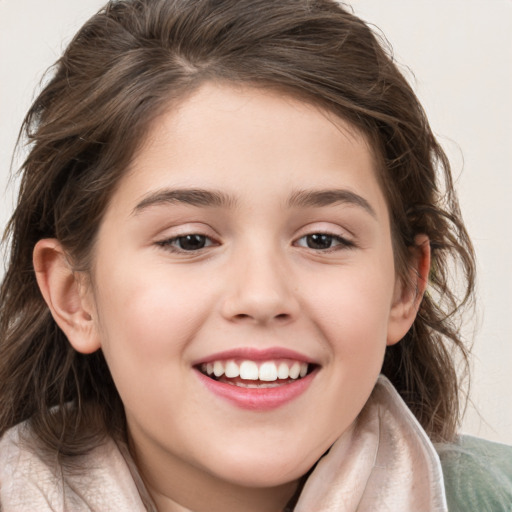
191	242
319	241
323	242
187	243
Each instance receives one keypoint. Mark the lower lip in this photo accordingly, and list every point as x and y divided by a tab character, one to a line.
258	399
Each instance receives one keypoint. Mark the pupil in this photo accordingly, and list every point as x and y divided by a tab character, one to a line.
319	241
192	242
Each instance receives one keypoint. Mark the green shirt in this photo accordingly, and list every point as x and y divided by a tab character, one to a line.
477	475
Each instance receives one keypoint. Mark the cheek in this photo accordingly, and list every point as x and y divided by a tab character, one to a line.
354	308
146	323
148	314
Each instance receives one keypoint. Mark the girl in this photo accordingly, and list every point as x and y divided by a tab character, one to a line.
233	218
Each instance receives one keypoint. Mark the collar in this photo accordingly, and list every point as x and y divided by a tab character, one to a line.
384	462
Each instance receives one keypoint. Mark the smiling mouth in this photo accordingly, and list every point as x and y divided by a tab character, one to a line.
256	374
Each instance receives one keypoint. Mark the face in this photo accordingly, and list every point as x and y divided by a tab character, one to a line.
244	287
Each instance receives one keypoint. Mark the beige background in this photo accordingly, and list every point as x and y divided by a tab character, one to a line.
460	52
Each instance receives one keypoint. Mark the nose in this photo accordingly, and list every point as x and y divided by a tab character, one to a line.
260	289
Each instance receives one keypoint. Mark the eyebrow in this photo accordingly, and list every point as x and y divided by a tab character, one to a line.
193	197
217	199
319	198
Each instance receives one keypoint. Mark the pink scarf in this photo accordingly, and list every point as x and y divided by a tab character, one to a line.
385	462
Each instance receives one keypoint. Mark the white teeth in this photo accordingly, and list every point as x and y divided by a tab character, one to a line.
218	369
283	371
232	370
294	371
249	370
268	372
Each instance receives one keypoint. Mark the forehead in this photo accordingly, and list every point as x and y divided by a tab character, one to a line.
230	137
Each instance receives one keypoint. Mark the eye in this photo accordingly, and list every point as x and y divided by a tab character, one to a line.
323	242
187	243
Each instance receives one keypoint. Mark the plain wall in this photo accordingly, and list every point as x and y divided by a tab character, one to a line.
460	52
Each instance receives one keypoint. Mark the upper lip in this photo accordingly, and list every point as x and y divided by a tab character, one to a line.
256	354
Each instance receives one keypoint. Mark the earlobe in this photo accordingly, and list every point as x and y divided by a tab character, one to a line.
408	296
64	294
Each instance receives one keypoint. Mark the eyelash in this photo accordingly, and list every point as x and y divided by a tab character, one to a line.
171	244
342	243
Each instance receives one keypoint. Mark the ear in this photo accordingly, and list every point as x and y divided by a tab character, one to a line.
66	294
407	296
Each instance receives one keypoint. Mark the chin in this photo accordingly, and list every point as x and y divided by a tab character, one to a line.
273	470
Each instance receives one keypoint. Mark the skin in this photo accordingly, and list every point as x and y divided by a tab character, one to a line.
155	309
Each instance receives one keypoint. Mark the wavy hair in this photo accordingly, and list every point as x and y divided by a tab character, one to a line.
124	67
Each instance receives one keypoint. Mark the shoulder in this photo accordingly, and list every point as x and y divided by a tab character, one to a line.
24	478
31	480
477	475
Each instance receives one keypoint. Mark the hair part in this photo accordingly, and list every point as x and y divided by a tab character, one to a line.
125	67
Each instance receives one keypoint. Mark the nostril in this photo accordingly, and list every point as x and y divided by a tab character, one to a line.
241	316
247	305
245	316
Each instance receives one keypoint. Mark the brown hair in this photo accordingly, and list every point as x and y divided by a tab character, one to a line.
121	70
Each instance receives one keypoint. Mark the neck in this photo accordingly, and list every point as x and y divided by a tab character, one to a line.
231	499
